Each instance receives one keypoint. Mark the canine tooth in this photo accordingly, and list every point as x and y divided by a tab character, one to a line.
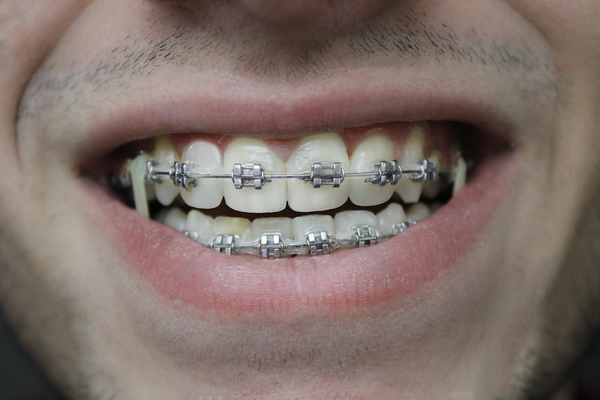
303	225
272	197
138	178
233	226
202	224
418	212
408	190
172	217
392	214
431	189
206	158
345	220
375	148
282	225
301	195
165	154
460	176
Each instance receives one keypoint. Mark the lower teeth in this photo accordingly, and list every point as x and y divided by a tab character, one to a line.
275	243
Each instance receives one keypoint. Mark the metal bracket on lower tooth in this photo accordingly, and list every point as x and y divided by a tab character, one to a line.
425	170
248	175
402	226
226	244
191	235
385	172
271	245
326	173
318	243
181	175
366	236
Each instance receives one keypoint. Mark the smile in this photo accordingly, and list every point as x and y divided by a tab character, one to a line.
394	177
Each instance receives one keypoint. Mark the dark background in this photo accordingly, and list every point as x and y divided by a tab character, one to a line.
20	379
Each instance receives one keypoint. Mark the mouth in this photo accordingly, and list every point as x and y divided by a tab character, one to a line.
343	246
305	196
290	247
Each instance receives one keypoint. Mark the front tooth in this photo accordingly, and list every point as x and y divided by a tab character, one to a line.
206	159
165	155
374	149
272	197
201	224
391	215
302	196
172	217
408	190
311	223
240	227
418	212
282	225
346	220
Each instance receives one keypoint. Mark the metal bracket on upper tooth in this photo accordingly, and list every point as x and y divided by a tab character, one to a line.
320	174
425	170
326	173
385	172
319	242
248	175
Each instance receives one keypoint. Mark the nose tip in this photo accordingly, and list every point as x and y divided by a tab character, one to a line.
313	12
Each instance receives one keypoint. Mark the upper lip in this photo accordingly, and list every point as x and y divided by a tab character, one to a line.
285	110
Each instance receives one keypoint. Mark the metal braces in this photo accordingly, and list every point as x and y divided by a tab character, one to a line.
273	245
324	173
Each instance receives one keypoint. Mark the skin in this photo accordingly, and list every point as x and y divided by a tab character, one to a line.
520	307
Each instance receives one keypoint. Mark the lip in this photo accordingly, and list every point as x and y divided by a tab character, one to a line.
221	105
183	272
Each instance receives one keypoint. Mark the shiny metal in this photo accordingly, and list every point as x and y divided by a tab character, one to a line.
324	173
181	175
385	172
318	243
271	245
248	175
225	244
402	226
366	236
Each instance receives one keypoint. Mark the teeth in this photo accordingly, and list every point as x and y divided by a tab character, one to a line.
302	196
309	223
461	176
172	217
206	158
272	197
240	227
408	190
418	212
392	214
282	225
201	224
431	189
346	220
374	149
165	154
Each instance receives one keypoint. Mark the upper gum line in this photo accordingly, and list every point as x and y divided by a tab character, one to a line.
438	137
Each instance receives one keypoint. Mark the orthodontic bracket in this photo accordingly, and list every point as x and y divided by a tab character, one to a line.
324	173
273	245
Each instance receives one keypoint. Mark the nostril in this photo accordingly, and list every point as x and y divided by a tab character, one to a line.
313	12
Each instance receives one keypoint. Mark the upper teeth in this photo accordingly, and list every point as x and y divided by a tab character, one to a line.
203	160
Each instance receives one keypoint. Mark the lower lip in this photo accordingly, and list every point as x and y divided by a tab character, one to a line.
183	272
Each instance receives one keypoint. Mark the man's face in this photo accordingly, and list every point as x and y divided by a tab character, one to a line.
490	296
